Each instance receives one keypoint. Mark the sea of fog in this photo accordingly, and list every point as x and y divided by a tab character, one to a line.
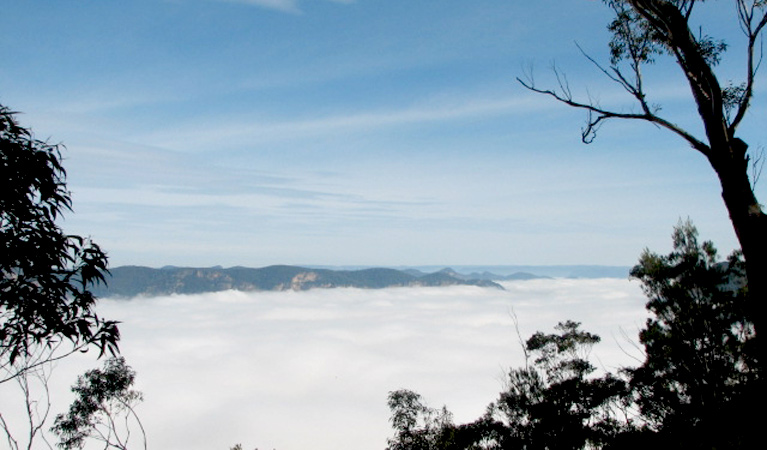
312	369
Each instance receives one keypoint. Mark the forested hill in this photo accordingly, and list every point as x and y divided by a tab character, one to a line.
129	281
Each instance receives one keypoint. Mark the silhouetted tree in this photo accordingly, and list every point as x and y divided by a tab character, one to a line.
417	426
45	275
102	409
644	30
556	402
46	306
700	369
698	386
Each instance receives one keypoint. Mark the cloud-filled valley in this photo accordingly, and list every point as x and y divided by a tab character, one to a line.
312	369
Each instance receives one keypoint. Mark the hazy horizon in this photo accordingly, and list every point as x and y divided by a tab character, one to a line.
498	269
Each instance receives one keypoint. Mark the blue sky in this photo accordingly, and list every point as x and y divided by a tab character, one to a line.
358	132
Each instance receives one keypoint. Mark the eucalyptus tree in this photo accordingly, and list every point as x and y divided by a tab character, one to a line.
643	32
700	372
45	274
103	409
47	309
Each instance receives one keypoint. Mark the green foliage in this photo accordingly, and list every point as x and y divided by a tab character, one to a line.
45	275
633	39
695	389
563	356
103	400
552	404
700	365
636	38
417	426
557	403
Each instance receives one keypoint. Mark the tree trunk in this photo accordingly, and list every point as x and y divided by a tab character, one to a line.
725	152
750	225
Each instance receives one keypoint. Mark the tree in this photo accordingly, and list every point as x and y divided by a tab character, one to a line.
31	377
700	370
556	402
644	30
417	426
45	275
695	388
103	408
46	306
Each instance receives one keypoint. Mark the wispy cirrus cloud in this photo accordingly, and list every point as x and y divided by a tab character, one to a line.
288	6
254	129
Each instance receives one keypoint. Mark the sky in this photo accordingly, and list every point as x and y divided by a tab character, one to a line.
355	132
312	369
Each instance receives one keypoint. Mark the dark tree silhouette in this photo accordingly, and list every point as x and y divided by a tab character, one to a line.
700	370
417	426
556	402
45	275
696	387
644	30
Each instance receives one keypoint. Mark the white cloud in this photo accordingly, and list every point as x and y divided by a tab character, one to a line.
290	6
256	130
296	370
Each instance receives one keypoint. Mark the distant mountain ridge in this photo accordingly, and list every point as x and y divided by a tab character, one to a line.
131	281
479	276
518	272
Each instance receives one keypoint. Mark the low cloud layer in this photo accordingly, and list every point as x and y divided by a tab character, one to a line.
296	370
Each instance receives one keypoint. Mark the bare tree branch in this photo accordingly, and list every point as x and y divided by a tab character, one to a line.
46	354
515	319
35	397
746	15
757	164
597	115
12	443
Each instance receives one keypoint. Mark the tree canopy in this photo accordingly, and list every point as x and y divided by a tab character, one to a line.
103	408
644	31
692	390
45	274
700	369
